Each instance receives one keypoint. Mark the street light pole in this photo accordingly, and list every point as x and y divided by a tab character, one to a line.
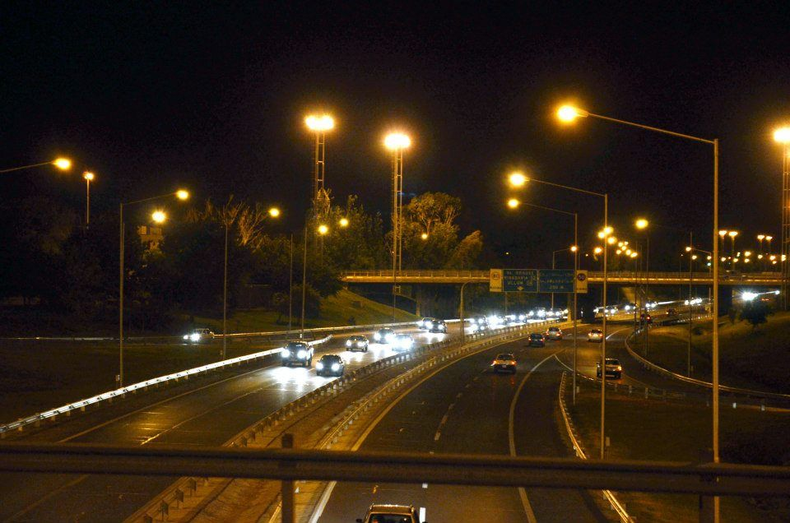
691	305
397	142
225	299
88	176
181	195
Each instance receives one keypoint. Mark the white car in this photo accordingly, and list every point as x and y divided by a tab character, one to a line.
198	335
403	342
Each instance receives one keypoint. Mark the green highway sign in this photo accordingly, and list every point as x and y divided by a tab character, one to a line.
514	280
556	280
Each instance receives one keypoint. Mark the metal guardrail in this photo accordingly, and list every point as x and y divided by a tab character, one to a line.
81	405
700	383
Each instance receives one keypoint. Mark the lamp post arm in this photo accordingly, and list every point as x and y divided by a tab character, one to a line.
25	167
568	187
650	128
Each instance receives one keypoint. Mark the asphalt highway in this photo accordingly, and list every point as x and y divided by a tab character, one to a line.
209	415
465	409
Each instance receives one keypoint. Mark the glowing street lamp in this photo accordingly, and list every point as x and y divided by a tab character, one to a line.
323	229
424	236
343	222
274	212
159	216
513	203
181	195
517	179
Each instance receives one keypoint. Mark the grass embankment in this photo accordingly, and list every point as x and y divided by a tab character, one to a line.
756	359
344	308
39	375
652	430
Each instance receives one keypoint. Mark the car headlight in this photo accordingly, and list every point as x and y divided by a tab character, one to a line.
377	337
302	354
619	368
319	366
429	324
186	336
285	353
335	367
348	343
194	337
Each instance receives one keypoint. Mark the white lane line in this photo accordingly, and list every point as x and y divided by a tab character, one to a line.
475	378
437	435
458	396
444	420
512	439
451	406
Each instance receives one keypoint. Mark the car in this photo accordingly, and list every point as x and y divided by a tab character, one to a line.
384	336
403	342
537	339
426	323
297	352
645	318
504	361
379	513
330	365
357	342
198	335
595	335
438	326
554	333
613	368
672	312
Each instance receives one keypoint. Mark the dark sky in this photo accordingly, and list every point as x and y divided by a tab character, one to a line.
156	95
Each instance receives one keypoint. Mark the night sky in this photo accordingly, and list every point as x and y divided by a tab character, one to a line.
152	96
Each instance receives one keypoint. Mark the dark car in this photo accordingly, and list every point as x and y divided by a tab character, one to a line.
330	365
438	326
613	368
504	361
297	352
537	339
385	336
357	342
426	323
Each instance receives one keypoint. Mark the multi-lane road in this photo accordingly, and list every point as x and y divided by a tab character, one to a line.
464	408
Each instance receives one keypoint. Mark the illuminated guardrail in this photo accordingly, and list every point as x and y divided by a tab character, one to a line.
81	405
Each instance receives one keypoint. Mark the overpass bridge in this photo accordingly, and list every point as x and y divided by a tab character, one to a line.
755	279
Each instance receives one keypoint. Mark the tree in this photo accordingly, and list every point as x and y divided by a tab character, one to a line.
755	312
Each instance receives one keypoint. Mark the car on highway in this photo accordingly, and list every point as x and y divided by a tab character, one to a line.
357	342
438	326
672	312
384	336
425	323
504	361
595	335
379	513
330	365
198	335
537	339
403	342
613	368
296	352
554	333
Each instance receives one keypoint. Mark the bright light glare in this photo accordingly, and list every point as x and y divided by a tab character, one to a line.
343	222
513	203
397	141
733	234
517	179
64	164
320	123
159	216
782	135
274	212
641	223
574	248
634	255
88	176
323	229
568	113
723	233
748	296
611	240
424	236
182	194
598	250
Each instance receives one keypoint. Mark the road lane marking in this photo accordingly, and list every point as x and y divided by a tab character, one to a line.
458	396
437	435
512	439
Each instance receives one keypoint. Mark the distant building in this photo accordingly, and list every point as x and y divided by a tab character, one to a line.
150	236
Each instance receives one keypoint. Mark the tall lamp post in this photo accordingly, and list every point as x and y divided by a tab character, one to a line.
732	235
569	114
518	179
181	195
89	177
397	142
782	136
513	203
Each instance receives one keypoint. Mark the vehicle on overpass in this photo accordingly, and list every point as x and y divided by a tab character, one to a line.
357	343
330	365
505	361
390	514
297	352
613	368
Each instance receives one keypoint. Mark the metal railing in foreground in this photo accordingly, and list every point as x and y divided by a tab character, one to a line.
708	479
